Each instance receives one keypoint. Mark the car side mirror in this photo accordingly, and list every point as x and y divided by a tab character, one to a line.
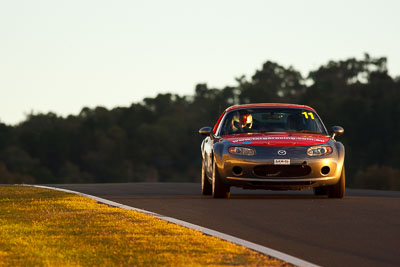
337	131
205	131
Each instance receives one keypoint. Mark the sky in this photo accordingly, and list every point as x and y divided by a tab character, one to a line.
60	56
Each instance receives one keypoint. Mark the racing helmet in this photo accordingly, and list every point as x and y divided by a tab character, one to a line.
246	120
240	121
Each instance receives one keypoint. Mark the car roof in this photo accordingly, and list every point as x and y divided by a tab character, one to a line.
262	105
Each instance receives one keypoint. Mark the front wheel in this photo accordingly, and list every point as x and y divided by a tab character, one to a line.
205	184
219	189
338	190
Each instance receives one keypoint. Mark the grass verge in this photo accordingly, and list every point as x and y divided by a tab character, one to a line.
40	227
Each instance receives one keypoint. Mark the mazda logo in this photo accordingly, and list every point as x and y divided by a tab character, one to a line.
281	152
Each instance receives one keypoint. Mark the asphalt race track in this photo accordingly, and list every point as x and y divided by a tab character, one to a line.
363	229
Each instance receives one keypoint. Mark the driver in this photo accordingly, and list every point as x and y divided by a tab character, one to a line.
241	123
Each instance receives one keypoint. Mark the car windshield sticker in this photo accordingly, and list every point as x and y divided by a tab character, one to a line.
266	138
306	116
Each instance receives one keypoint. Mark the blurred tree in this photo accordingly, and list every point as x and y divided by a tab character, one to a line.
7	177
273	83
378	177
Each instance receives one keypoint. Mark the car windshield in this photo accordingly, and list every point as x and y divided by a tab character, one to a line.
271	120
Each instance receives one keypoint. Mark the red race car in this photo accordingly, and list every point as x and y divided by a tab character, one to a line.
272	146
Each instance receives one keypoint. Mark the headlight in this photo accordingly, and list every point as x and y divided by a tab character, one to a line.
319	150
242	151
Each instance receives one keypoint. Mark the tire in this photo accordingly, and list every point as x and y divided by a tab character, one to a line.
320	191
219	189
338	190
206	187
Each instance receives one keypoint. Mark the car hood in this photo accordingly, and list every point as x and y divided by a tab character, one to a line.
277	139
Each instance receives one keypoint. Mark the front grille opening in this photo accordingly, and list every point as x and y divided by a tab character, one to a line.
282	170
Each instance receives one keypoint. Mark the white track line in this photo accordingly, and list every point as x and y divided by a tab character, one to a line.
265	250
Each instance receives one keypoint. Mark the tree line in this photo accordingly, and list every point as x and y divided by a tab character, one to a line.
157	139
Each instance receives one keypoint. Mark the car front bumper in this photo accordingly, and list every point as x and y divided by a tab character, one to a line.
261	172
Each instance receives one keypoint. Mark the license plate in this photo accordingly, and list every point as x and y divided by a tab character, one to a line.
281	161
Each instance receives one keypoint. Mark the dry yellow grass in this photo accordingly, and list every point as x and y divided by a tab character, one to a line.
40	227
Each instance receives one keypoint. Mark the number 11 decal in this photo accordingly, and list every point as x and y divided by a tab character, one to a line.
306	115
